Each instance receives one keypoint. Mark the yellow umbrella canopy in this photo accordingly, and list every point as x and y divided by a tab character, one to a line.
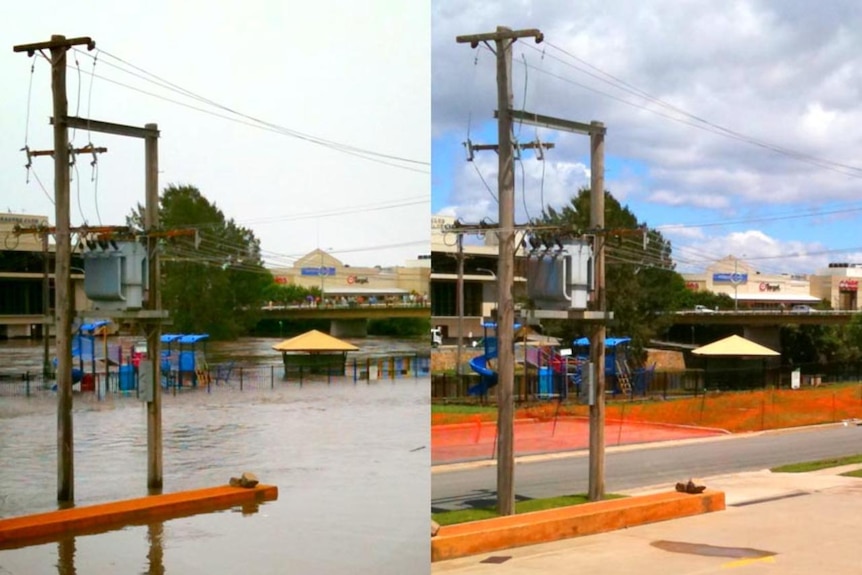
314	341
734	346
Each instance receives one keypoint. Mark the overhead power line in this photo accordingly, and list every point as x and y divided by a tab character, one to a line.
365	153
687	118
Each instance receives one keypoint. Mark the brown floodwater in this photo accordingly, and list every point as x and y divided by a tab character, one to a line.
351	461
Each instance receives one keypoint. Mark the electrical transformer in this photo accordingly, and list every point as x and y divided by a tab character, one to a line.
560	276
115	274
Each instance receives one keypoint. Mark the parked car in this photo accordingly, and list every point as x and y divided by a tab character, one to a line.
436	336
703	309
801	309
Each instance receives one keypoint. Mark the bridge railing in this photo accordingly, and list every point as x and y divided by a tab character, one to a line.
350	305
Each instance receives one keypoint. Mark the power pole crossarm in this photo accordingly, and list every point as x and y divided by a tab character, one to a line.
528	146
84	150
540	121
148	131
55	43
501	34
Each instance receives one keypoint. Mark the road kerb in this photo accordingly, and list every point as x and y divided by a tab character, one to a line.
488	535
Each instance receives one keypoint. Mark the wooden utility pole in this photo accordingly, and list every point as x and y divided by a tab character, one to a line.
59	45
153	314
62	277
597	345
154	336
46	309
503	39
459	288
600	316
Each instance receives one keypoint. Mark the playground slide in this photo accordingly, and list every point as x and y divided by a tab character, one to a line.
488	378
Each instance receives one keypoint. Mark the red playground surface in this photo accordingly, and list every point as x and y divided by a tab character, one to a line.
476	441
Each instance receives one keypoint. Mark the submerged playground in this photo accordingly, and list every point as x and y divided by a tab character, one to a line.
110	364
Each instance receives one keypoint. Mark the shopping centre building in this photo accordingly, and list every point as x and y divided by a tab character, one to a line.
835	285
336	280
479	256
24	284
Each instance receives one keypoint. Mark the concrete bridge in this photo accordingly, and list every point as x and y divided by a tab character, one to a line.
347	321
762	326
765	317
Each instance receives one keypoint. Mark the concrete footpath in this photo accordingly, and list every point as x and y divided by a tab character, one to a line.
787	523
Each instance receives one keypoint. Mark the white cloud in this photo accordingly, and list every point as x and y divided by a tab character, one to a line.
772	90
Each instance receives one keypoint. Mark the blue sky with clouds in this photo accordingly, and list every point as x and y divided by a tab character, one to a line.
730	125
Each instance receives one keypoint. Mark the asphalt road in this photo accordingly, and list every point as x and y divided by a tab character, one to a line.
642	466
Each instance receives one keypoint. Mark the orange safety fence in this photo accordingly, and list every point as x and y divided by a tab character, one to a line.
553	427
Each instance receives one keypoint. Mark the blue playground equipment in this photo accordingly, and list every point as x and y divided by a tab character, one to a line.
85	354
617	366
555	371
487	376
184	359
617	370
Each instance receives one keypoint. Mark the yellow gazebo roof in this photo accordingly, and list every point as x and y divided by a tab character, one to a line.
734	346
314	341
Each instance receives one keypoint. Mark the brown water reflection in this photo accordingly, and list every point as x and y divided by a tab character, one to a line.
354	483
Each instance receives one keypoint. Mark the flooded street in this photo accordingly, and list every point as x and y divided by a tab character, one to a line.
351	461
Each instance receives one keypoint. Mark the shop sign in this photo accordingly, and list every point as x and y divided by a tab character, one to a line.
848	285
321	271
767	286
441	222
357	280
732	278
281	280
692	285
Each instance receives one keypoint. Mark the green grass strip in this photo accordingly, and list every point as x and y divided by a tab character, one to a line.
815	465
462	409
465	515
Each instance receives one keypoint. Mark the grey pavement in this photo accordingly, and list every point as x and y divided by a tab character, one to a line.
787	523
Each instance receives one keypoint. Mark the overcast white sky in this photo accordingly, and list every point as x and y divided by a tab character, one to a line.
696	96
356	73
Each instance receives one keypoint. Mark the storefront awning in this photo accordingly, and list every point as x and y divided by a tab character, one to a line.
776	297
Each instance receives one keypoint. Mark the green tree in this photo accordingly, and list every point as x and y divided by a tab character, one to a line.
712	300
853	338
212	282
288	294
639	272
